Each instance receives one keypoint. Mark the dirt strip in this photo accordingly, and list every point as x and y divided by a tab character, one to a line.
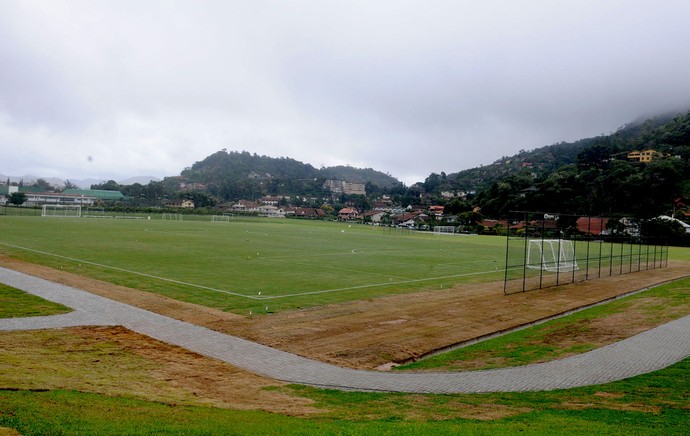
369	333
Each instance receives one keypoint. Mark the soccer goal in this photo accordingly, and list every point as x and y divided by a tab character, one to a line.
220	219
439	230
554	255
172	216
61	210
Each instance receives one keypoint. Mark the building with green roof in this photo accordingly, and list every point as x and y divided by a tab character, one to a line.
98	194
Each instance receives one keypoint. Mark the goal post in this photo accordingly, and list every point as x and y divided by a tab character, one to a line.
220	219
438	230
553	255
61	210
171	216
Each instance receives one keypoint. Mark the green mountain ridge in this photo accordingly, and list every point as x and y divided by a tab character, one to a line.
636	135
236	175
595	175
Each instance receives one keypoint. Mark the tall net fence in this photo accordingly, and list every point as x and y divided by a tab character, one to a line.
544	250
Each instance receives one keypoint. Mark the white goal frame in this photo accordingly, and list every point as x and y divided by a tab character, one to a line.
438	230
166	216
220	219
61	210
553	255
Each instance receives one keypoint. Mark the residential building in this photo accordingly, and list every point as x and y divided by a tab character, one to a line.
348	214
644	155
347	188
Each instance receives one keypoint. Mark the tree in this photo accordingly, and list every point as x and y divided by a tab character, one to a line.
43	185
110	185
17	198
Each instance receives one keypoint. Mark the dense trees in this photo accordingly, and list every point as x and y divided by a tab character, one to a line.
600	179
242	175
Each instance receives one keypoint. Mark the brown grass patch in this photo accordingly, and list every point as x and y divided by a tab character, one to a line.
421	407
623	407
613	395
115	361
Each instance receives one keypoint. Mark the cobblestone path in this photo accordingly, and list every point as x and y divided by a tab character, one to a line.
646	352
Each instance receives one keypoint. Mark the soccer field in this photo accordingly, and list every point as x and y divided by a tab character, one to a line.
254	263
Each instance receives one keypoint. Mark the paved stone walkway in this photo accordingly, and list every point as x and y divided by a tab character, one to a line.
646	352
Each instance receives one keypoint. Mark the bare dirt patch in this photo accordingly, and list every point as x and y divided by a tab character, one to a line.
208	380
370	333
118	362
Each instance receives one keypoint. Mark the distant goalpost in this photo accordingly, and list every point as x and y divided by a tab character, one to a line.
61	210
172	216
440	230
553	255
220	219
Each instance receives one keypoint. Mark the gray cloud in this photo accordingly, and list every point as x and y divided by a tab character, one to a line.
406	87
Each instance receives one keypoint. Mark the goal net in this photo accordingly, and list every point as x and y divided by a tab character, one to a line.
444	229
220	219
60	210
554	255
172	216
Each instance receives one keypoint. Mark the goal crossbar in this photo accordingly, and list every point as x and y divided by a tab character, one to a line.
61	210
553	255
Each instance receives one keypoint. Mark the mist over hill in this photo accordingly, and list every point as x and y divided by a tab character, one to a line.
590	175
593	175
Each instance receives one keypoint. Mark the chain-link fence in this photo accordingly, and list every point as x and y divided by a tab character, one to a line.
548	249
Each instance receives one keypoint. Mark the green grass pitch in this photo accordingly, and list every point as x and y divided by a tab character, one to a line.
262	265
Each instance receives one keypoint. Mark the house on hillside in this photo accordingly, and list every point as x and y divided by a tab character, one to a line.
348	214
270	211
374	216
347	188
492	224
644	155
410	219
272	200
183	204
245	206
436	211
306	212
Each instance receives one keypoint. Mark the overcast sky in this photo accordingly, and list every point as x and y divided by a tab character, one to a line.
116	89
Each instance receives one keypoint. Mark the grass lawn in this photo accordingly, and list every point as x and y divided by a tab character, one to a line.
574	334
248	264
15	303
650	404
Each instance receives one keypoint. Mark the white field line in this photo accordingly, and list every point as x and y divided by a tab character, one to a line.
332	268
253	297
374	285
100	265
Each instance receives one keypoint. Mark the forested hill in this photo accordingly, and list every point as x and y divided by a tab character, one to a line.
601	178
237	174
638	134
